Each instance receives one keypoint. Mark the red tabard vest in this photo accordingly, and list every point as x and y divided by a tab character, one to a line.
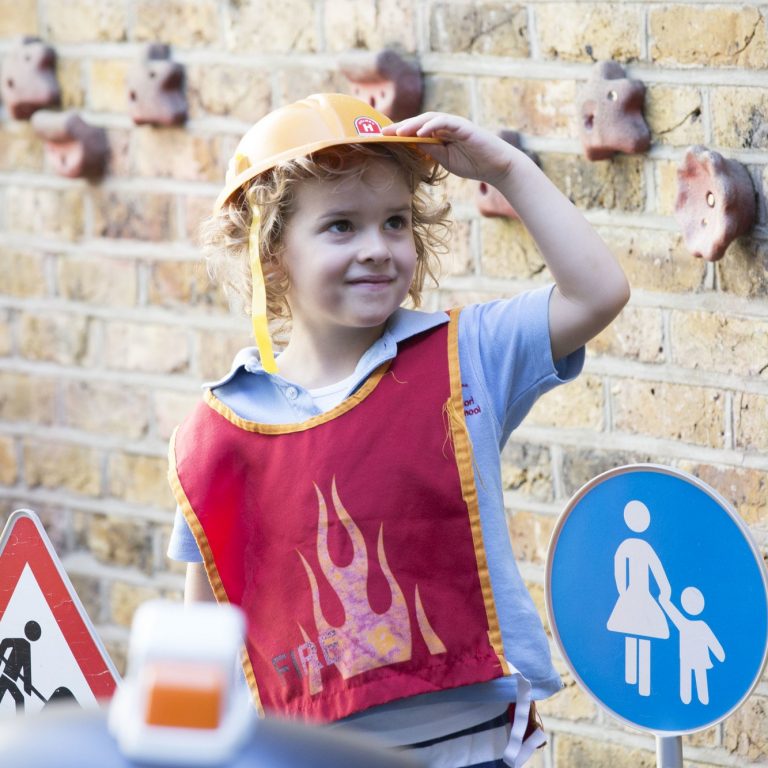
352	540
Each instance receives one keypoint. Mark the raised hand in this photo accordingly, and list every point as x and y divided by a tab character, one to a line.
467	150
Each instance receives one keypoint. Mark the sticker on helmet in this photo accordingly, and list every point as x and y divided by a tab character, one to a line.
365	126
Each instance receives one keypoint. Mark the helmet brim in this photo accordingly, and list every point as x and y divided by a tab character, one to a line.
239	181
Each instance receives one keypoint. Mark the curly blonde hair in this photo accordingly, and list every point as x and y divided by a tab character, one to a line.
224	236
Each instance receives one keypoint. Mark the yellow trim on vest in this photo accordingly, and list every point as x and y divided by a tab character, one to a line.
463	449
281	429
210	566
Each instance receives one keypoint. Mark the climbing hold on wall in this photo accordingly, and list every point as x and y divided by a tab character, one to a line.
715	202
490	202
156	89
611	110
385	80
73	147
28	79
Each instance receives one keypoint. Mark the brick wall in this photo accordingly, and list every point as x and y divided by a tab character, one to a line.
108	325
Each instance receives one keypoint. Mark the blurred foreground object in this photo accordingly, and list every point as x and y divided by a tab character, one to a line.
385	80
156	89
183	703
28	78
74	148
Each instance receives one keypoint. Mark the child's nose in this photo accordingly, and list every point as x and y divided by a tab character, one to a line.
374	247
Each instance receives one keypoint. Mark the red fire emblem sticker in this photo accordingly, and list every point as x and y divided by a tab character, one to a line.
366	126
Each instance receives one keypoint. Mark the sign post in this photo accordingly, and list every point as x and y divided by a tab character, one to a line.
657	597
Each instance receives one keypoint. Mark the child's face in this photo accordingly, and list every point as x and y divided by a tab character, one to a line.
349	251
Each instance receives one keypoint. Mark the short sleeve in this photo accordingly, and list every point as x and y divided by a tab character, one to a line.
505	348
182	545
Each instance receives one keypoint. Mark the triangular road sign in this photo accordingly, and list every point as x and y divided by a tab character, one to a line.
49	650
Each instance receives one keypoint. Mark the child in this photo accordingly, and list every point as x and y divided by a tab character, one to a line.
697	640
342	494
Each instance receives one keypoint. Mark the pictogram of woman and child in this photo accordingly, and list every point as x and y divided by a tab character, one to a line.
641	617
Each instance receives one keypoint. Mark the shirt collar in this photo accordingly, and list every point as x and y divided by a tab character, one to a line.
402	325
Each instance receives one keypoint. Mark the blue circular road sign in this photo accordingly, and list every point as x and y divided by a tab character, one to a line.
657	597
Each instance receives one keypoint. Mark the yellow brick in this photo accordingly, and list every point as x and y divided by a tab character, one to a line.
62	465
9	466
49	212
140	480
744	733
709	36
104	281
69	73
183	284
54	337
665	173
18	18
673	114
6	334
105	408
217	349
580	751
742	272
23	273
196	210
750	421
530	534
231	91
618	184
270	26
669	411
20	147
295	84
589	32
170	408
108	91
538	107
571	703
133	215
145	347
655	261
181	23
508	250
124	599
80	21
447	94
527	469
636	334
739	117
485	28
576	406
175	153
116	541
718	342
26	398
369	24
745	489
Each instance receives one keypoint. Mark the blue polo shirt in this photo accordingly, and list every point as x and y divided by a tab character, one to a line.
506	365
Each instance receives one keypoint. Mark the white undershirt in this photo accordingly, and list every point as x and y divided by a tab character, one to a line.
331	395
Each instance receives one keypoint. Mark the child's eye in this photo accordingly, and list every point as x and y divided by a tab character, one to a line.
340	227
396	222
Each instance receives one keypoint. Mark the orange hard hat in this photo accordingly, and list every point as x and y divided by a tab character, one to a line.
317	122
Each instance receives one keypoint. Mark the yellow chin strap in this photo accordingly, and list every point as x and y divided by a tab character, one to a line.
259	299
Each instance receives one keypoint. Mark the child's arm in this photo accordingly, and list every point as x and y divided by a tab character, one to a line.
591	288
670	609
197	588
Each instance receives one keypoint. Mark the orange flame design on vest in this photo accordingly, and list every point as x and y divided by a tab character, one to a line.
367	639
